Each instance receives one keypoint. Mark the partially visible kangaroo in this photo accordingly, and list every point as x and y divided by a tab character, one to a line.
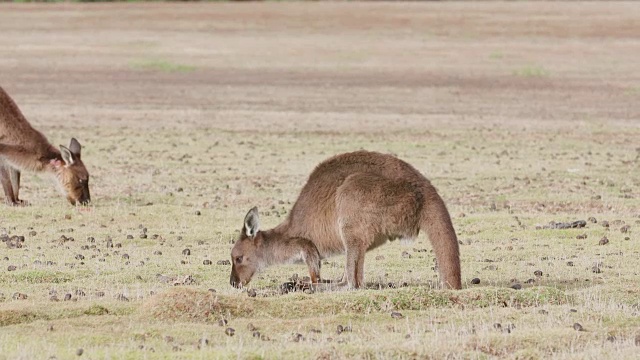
351	203
24	148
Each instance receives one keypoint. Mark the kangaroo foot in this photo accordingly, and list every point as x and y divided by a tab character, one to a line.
17	202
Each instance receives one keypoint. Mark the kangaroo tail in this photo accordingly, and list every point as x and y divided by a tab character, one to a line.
437	223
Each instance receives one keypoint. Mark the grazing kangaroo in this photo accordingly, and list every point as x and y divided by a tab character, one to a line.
23	148
351	203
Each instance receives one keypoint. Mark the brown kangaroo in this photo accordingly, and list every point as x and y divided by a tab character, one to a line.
23	148
351	203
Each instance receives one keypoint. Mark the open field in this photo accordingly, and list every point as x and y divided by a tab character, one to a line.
190	114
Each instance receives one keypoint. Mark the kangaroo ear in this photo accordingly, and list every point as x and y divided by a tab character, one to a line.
251	223
67	156
75	148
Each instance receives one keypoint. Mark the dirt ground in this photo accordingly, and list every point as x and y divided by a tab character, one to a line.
520	113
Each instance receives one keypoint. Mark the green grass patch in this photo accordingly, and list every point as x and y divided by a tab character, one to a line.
531	71
162	65
37	277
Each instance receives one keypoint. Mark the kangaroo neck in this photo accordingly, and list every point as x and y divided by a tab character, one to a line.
275	245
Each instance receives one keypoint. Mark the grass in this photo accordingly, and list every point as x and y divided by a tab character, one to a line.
531	71
129	287
161	65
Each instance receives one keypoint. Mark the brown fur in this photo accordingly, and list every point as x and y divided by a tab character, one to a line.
352	203
23	148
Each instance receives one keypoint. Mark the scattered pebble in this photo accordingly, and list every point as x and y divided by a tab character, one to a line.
206	262
222	262
603	241
252	293
475	281
79	352
186	252
578	327
12	268
396	315
537	273
19	296
230	331
516	286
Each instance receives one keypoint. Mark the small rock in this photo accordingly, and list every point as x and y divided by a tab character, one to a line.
530	281
19	296
256	334
198	213
186	252
206	262
12	268
79	352
516	286
625	229
396	315
537	273
157	252
67	297
252	293
222	322
251	327
406	255
475	281
543	312
230	331
223	262
592	220
581	236
603	241
569	263
578	327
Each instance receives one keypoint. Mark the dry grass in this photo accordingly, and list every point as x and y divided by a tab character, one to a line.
518	116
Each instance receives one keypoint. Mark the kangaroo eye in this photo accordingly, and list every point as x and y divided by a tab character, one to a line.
238	259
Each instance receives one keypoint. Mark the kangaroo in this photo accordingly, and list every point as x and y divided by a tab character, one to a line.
351	203
23	148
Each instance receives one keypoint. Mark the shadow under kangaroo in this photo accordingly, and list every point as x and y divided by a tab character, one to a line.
23	148
351	203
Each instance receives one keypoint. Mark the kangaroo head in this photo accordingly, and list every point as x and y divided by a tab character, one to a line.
72	175
246	255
